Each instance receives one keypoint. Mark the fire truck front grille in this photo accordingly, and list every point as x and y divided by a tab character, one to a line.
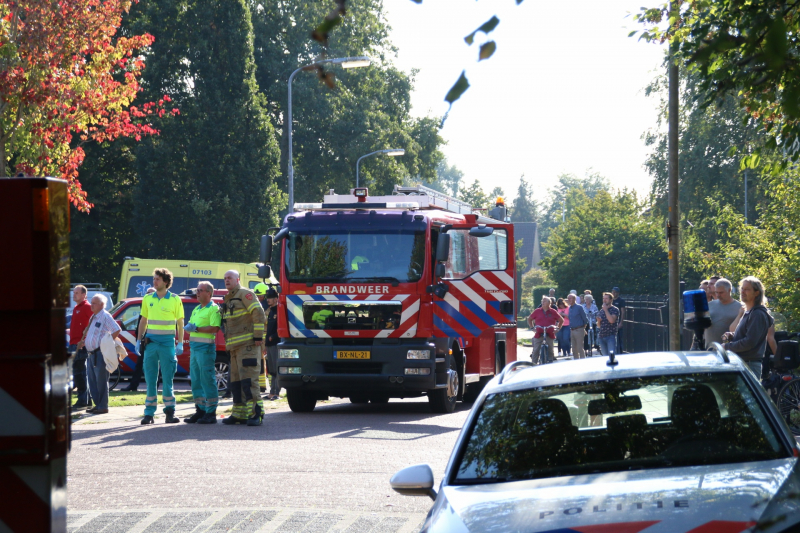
355	367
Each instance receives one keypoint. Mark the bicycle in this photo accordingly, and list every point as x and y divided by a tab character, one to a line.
543	350
591	336
782	383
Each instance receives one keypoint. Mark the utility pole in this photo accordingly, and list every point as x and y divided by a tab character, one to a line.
673	223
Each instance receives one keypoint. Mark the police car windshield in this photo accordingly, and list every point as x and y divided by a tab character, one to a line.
617	425
355	256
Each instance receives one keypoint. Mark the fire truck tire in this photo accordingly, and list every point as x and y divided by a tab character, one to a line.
301	401
359	399
444	400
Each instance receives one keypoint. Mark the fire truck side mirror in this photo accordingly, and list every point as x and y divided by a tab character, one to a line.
440	270
480	231
265	256
443	248
264	271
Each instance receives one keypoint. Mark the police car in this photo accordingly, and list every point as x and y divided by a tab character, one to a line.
652	442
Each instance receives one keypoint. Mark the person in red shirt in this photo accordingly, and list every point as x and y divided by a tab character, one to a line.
80	319
544	321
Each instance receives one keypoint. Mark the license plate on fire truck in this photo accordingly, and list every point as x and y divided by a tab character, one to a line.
351	354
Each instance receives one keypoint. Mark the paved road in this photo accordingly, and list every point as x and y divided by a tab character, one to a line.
323	471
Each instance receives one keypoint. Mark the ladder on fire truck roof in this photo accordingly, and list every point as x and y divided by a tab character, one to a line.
436	199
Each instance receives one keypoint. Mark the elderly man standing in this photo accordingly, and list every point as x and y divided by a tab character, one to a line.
202	327
577	324
162	319
100	323
244	333
723	310
749	341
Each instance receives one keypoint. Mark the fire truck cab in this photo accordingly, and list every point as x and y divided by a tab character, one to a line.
394	296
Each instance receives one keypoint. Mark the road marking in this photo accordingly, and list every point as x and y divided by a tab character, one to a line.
241	520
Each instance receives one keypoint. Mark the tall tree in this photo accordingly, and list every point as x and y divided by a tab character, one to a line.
475	196
207	187
565	196
606	241
67	78
448	178
524	208
368	110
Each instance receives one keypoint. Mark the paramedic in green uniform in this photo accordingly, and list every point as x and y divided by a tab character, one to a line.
202	327
162	318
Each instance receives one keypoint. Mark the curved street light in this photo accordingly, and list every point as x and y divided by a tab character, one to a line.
391	152
345	62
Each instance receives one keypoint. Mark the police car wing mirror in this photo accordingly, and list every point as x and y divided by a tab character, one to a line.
265	255
443	248
414	480
480	231
264	271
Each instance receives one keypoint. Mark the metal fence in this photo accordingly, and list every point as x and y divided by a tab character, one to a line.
646	327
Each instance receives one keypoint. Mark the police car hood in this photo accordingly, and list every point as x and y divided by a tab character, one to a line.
726	498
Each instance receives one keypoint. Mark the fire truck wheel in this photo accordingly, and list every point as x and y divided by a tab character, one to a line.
444	400
301	401
359	399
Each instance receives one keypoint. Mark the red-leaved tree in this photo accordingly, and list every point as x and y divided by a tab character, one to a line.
66	78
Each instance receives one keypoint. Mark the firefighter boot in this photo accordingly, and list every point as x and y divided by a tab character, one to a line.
198	414
209	418
258	415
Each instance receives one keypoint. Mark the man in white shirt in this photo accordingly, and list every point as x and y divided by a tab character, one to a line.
723	310
100	323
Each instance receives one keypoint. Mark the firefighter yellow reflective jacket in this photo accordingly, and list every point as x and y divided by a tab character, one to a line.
243	317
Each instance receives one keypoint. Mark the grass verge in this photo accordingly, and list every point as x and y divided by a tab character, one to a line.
123	399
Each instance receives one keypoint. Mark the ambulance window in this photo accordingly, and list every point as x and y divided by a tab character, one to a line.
130	317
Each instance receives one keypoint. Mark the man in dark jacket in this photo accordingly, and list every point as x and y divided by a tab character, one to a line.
271	340
750	338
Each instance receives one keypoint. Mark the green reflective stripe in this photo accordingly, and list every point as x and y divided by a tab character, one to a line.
195	338
237	314
162	322
151	331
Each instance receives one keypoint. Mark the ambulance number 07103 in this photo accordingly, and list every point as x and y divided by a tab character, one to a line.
203	272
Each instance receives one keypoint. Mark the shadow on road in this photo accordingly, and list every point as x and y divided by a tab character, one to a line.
391	421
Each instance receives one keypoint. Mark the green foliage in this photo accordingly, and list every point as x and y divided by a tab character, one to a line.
524	207
448	178
769	250
475	196
535	276
606	241
368	110
742	49
207	185
566	196
541	290
712	142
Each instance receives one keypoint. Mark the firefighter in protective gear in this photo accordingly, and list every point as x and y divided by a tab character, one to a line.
202	327
162	318
244	320
261	290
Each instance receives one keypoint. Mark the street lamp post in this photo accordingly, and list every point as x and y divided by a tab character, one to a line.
392	152
345	62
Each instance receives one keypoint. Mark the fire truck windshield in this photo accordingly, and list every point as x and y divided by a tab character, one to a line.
355	256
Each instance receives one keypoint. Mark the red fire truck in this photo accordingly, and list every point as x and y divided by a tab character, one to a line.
392	297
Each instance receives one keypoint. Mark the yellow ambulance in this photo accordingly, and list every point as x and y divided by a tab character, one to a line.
137	275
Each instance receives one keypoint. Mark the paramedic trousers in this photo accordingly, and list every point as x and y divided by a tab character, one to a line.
204	376
245	368
160	353
98	379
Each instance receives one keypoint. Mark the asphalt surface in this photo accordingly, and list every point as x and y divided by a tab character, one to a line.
323	471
